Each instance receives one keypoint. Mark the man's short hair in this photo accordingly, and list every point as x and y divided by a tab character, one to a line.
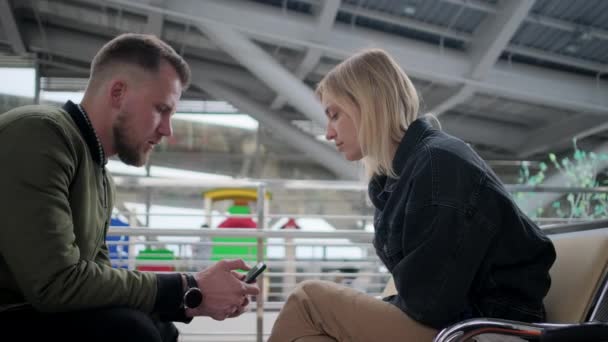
143	50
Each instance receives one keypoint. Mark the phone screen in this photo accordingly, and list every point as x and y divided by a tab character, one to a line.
254	272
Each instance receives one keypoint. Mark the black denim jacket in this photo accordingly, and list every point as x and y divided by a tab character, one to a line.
455	242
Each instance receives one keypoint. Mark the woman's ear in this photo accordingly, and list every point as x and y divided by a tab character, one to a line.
117	91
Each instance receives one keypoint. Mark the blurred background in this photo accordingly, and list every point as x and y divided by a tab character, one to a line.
248	172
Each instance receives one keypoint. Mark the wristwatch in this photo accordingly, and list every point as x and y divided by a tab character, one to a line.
193	297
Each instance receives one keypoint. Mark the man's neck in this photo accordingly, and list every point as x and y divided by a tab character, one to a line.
101	125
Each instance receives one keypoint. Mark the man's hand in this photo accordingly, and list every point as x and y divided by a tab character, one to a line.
225	295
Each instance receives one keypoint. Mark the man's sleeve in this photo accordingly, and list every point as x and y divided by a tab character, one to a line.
37	238
440	252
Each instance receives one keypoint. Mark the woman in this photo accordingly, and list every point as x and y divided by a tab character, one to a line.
455	243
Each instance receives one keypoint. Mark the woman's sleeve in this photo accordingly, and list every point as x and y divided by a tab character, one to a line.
440	256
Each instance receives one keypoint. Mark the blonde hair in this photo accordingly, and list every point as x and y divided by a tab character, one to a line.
387	101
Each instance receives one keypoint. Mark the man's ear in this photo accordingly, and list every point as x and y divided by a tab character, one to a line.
118	89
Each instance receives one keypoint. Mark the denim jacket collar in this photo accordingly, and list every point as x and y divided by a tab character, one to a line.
380	185
417	130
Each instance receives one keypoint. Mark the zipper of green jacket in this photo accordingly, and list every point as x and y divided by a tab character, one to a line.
102	236
105	187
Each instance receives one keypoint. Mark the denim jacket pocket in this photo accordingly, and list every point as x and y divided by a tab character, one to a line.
393	248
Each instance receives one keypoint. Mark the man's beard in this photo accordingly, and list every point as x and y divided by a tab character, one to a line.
125	147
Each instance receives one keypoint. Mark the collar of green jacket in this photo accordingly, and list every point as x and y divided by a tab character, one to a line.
88	132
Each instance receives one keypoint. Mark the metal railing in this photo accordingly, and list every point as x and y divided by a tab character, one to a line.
364	270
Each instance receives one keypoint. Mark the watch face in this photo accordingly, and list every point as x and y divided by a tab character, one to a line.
193	298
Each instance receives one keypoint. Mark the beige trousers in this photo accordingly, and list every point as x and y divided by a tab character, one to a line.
321	311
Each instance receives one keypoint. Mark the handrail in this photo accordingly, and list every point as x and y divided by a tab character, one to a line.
575	227
549	188
365	236
244	232
312	243
157	182
279	215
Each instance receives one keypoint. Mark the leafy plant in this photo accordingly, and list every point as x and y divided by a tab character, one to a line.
582	172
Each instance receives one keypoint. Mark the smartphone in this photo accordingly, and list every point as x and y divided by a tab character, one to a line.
254	272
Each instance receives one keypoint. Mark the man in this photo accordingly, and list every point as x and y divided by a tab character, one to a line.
56	200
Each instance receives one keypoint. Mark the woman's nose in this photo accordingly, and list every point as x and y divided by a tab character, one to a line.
330	133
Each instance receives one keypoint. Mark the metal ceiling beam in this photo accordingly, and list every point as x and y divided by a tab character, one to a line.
558	133
563	25
494	34
315	150
491	37
535	85
404	21
600	127
7	20
582	125
494	134
557	58
62	43
65	43
260	22
93	17
510	80
154	25
413	24
126	24
265	68
190	38
326	18
62	65
523	76
459	96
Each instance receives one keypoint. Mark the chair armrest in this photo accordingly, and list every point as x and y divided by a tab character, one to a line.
584	332
467	329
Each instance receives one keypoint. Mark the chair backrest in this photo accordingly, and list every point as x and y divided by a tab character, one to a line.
389	289
577	274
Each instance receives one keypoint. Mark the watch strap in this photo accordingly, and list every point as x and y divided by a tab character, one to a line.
193	296
191	281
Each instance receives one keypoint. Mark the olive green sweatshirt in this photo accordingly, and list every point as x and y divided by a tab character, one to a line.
56	201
